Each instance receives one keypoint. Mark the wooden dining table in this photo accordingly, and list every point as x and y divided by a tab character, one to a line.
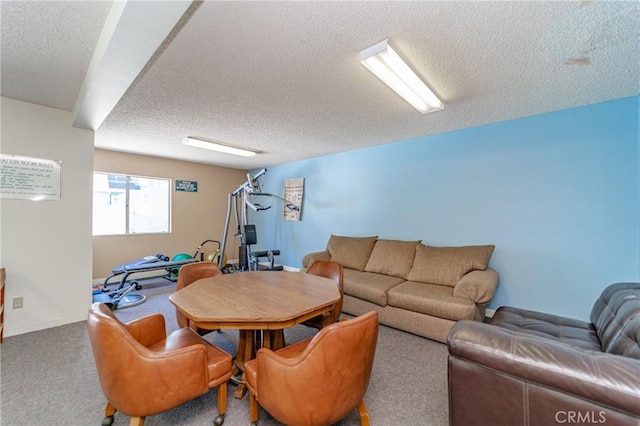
260	304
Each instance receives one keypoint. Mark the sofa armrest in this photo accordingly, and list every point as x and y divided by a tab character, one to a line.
477	286
606	379
308	260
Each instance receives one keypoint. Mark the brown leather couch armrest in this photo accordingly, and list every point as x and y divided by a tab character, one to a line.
308	260
610	380
477	286
148	330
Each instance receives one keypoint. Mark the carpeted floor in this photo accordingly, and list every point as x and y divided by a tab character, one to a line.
49	378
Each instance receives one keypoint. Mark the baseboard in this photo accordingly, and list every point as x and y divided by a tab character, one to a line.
291	268
8	332
489	313
284	267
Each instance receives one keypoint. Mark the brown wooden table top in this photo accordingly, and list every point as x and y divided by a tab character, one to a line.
256	300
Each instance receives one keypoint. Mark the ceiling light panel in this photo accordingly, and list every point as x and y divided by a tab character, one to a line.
216	146
389	67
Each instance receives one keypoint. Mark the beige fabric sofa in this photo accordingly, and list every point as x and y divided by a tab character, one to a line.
421	289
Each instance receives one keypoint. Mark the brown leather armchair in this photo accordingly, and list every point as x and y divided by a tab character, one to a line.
331	270
317	381
144	372
187	275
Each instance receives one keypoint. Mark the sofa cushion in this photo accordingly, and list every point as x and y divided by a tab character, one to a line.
369	286
567	330
446	265
431	299
351	252
392	257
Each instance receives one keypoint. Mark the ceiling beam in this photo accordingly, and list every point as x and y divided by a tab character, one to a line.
132	33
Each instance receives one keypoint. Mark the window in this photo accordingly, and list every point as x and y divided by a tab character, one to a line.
130	204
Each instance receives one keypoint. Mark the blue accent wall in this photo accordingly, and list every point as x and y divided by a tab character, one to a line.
558	194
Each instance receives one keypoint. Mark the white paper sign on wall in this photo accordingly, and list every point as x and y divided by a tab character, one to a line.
28	178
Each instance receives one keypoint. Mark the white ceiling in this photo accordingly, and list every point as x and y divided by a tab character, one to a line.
283	78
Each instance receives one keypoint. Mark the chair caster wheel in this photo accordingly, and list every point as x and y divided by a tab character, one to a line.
218	420
107	421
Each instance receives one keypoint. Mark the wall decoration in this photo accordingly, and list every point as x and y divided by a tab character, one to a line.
293	192
29	178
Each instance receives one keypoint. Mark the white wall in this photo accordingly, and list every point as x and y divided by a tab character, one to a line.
46	246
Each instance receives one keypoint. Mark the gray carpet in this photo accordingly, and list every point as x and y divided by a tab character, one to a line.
49	377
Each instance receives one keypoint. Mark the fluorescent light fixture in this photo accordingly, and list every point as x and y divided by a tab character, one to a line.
385	63
216	146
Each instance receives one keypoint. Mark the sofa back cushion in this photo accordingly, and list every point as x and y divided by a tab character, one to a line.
446	265
392	257
616	318
351	252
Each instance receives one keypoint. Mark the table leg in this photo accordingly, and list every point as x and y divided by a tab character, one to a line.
273	339
248	343
236	371
246	351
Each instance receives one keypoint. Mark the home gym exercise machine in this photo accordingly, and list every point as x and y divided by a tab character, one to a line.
246	194
123	296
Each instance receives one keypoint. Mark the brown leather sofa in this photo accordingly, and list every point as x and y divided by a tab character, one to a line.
532	368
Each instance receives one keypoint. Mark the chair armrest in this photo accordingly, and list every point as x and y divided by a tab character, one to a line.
308	260
148	330
477	286
286	357
283	376
606	379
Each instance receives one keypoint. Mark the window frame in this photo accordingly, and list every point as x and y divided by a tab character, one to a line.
127	189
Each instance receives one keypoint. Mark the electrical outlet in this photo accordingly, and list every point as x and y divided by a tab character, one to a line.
17	303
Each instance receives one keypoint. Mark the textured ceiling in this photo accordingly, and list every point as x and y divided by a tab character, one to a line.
46	49
283	78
